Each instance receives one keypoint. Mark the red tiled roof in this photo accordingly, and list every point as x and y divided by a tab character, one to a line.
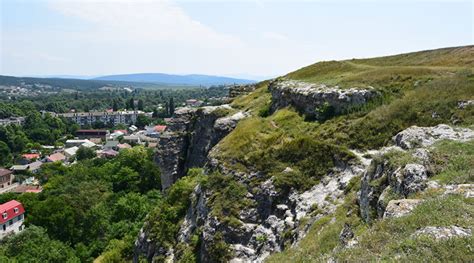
160	128
30	156
56	157
9	209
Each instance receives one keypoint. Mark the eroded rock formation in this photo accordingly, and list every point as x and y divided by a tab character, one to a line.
317	101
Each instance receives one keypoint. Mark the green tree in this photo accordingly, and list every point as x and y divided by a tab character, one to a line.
84	153
5	154
140	104
34	245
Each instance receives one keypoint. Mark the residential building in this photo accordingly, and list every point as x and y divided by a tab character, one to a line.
35	167
30	156
88	134
71	152
122	146
56	157
84	142
194	103
12	216
111	145
12	120
6	178
113	118
132	139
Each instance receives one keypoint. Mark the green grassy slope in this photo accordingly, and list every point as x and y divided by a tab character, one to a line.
399	70
421	88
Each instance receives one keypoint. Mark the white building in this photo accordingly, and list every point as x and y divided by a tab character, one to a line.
114	118
12	216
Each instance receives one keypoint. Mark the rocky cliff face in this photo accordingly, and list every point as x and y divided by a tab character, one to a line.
189	137
277	219
317	101
383	179
238	90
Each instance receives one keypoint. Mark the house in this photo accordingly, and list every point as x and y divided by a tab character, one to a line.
84	134
88	144
132	139
6	178
31	156
108	153
35	167
122	146
155	131
12	216
56	157
71	152
72	143
12	120
194	103
19	168
133	128
115	135
111	145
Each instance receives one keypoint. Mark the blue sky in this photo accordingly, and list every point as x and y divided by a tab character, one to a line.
233	38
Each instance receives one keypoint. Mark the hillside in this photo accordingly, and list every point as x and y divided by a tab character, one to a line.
193	79
301	170
80	84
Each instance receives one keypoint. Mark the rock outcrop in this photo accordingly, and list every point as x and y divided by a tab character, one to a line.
416	137
439	233
382	178
399	208
317	101
275	218
190	136
238	90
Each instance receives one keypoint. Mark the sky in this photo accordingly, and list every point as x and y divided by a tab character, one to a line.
253	39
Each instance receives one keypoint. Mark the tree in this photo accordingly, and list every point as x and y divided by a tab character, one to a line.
84	153
34	245
115	106
140	104
5	154
171	105
131	104
142	120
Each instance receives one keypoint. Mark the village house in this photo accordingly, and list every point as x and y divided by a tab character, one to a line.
6	179
71	152
56	157
12	120
88	134
83	142
12	216
194	103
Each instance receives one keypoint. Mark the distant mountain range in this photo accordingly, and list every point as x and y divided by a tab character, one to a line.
161	78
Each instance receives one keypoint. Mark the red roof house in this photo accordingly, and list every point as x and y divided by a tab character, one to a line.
10	210
160	128
30	156
56	157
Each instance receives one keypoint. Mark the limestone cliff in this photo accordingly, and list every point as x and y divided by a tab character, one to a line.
317	101
189	137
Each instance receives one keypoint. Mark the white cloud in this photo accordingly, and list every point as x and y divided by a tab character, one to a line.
274	36
143	20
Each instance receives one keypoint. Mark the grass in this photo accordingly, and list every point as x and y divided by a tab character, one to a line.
388	239
402	71
453	162
421	88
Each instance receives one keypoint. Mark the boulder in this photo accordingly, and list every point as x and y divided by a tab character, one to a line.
416	137
440	233
399	208
411	179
